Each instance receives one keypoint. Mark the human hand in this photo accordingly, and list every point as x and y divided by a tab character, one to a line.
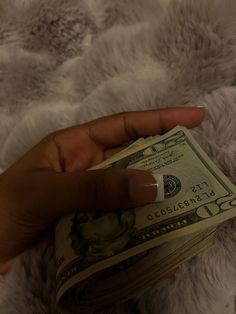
51	180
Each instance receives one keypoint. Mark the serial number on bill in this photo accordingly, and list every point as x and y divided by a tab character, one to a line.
181	205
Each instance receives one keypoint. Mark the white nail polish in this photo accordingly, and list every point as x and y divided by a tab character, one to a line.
160	187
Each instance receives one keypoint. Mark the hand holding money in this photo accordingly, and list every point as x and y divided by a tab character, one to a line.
106	258
49	181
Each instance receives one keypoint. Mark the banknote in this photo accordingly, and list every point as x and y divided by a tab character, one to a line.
129	278
197	196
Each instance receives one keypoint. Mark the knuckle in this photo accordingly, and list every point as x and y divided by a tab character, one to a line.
129	129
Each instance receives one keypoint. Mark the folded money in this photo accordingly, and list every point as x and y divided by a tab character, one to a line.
105	258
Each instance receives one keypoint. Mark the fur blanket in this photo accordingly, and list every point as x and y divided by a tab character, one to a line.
64	62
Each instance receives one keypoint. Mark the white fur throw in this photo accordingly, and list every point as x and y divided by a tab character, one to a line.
63	62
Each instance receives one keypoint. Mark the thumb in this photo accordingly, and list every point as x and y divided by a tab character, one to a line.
56	194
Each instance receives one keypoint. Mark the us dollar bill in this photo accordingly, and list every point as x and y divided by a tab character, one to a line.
197	196
131	277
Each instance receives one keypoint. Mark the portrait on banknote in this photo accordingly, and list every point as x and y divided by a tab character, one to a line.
95	236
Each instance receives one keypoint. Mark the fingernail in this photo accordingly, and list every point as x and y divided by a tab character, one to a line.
204	109
146	187
199	107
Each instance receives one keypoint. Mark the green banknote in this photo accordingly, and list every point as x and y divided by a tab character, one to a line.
131	277
197	196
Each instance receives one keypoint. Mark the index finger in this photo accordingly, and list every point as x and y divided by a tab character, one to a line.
120	128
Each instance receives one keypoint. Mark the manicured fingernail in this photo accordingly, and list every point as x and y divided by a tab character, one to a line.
160	184
204	109
200	107
146	187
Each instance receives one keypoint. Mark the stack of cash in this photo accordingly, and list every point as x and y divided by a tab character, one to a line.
104	258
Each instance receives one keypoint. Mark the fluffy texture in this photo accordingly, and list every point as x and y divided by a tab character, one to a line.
64	62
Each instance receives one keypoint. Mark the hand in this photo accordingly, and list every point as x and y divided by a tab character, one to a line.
50	180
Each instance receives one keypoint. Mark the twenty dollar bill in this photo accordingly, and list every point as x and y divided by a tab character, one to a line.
197	196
